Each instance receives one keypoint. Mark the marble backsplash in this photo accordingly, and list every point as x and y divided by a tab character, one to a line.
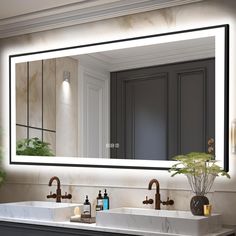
223	202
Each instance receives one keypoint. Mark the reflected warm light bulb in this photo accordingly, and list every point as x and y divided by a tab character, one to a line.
66	87
66	91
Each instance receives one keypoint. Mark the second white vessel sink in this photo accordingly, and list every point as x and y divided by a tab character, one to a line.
177	222
38	210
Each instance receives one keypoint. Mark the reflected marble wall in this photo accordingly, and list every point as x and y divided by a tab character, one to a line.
46	107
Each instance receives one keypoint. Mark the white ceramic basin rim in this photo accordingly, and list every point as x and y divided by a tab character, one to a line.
160	213
38	210
40	204
176	222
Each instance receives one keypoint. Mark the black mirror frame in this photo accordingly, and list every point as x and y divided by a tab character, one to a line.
226	99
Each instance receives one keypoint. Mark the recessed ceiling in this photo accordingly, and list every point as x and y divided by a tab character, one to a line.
152	55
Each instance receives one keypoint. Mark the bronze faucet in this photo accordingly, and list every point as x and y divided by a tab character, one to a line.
57	195
158	201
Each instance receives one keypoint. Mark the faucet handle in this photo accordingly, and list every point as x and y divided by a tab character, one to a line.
68	196
168	202
148	201
51	195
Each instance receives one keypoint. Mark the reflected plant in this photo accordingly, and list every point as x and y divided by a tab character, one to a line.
201	170
33	147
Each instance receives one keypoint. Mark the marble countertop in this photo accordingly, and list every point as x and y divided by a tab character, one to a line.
94	227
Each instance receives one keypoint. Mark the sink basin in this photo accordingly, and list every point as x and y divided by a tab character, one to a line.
177	222
38	210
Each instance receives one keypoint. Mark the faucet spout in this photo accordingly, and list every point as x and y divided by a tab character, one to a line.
157	185
157	195
58	194
158	201
58	191
56	179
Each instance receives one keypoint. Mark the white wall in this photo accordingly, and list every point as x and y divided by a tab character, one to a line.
94	112
126	187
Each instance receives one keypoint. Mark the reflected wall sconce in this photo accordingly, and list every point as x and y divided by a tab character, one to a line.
66	76
233	137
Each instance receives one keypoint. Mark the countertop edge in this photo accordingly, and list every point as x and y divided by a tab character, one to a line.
83	226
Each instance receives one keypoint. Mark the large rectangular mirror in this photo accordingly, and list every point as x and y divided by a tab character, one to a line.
130	103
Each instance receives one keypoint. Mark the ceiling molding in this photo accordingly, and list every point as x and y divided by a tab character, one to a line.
78	13
99	62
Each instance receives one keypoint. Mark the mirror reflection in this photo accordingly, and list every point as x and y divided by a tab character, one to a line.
145	103
129	103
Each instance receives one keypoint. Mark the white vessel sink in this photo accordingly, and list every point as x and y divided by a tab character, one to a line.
38	210
177	222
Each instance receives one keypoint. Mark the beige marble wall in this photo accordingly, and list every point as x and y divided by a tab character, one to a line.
21	93
35	94
57	98
49	102
126	187
49	94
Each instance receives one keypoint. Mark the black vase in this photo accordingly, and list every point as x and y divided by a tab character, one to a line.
197	205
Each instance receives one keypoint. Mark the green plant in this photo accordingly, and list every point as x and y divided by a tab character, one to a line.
33	147
2	173
201	170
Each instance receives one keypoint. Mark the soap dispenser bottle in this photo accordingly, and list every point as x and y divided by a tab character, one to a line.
87	207
105	201
99	206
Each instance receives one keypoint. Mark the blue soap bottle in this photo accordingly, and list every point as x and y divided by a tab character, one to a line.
105	201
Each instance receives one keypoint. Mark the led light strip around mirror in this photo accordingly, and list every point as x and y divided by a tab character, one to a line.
221	34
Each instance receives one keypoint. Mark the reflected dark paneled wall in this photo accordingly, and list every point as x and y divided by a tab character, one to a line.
162	111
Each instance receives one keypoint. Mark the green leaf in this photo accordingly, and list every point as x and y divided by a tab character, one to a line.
33	147
201	169
2	173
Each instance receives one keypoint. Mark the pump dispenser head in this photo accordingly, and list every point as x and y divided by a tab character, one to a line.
100	193
105	201
86	200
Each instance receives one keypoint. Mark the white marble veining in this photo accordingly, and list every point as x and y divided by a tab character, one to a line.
94	227
38	210
164	221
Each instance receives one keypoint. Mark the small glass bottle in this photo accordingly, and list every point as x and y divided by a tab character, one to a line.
105	201
87	207
99	206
